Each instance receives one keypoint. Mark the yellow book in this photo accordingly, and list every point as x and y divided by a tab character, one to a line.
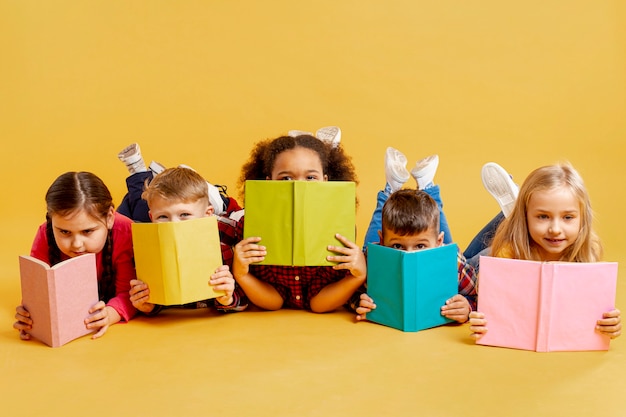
177	259
297	220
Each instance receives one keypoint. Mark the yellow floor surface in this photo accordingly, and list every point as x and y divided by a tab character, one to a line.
295	363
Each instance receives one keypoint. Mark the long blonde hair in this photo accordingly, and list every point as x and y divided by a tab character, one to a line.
512	239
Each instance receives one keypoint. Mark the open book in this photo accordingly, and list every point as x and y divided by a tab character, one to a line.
297	220
177	259
545	306
58	298
409	288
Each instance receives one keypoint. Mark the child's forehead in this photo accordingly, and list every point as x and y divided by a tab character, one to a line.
429	233
162	200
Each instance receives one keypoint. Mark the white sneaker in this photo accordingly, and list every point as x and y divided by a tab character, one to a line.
294	133
156	167
396	173
500	185
424	171
330	134
131	157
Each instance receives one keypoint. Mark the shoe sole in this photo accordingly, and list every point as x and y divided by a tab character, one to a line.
498	183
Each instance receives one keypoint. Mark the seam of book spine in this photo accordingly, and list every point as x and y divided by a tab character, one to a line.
54	312
544	316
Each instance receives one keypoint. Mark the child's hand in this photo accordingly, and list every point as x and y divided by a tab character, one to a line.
610	324
456	308
351	258
23	323
102	316
478	324
140	296
222	280
366	304
246	252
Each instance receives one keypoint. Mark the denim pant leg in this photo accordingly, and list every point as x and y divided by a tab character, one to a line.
483	239
376	222
371	236
435	193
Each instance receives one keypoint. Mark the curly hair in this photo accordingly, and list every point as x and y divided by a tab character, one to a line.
336	164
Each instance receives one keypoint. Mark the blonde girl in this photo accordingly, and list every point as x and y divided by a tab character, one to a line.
551	221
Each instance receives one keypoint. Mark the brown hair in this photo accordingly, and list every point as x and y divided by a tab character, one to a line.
409	212
75	191
179	184
512	238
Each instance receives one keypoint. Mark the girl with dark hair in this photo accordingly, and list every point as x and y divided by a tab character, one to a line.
81	219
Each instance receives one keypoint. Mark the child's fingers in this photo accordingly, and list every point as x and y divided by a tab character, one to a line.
222	269
24	335
345	241
100	332
97	307
22	311
21	326
476	315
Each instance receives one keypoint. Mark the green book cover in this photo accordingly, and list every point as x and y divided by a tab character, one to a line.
409	288
297	220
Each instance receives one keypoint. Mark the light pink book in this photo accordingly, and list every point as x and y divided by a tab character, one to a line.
58	298
545	306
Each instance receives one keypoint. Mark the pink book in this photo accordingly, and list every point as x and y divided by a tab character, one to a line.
58	298
545	306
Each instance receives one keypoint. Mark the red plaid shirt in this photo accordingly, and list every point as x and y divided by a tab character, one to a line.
297	284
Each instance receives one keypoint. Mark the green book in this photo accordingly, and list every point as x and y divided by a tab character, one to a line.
297	220
409	288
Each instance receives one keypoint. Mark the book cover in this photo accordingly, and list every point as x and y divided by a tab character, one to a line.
58	298
409	288
545	306
297	220
177	259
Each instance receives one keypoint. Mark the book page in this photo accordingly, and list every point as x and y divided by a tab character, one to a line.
508	295
581	293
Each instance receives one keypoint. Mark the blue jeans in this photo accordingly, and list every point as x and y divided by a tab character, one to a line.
376	223
481	243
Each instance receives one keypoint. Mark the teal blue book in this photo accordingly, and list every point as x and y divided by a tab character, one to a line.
409	288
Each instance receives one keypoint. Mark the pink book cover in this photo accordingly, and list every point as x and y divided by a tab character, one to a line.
545	306
58	298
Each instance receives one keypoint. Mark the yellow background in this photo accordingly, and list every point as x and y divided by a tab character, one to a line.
198	82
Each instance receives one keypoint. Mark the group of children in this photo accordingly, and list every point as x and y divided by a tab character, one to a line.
550	220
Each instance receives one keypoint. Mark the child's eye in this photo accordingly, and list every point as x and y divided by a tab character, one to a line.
311	178
397	246
88	231
183	215
542	216
286	178
65	232
162	217
422	246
